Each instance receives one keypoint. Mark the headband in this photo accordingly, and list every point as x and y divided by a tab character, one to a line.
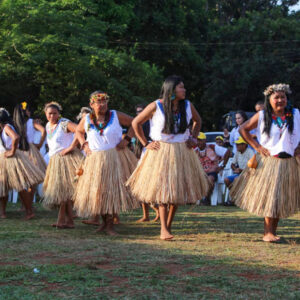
281	87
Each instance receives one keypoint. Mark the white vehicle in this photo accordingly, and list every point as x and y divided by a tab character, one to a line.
211	136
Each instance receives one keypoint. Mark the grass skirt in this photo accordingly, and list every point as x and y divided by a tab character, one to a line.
171	175
271	190
101	189
59	184
18	173
36	158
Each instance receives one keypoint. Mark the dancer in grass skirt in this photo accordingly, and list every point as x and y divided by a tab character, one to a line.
270	186
65	158
17	172
109	163
170	173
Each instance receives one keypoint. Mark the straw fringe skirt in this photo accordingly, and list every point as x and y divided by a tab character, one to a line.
101	189
59	184
18	173
171	175
271	190
36	158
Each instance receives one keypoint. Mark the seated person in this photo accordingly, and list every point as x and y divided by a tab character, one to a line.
220	141
210	157
239	163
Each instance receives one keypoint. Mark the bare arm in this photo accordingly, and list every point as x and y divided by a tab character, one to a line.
245	133
139	120
15	141
42	130
125	120
197	122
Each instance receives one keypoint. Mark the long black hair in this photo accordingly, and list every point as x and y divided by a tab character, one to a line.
243	114
167	91
20	120
268	111
5	117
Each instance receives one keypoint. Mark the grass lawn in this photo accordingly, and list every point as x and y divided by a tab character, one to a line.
217	253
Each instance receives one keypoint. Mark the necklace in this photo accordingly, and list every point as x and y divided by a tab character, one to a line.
51	130
102	125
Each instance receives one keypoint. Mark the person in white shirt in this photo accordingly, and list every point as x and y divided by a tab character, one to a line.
271	188
240	118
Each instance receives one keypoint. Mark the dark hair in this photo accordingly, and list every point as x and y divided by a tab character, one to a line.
243	114
20	119
140	105
54	105
167	90
268	111
93	115
259	103
5	117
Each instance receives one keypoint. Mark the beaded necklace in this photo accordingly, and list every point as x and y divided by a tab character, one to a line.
51	131
281	121
102	125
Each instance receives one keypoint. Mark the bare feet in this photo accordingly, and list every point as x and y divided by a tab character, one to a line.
110	231
143	219
69	226
156	219
166	236
58	226
90	222
3	216
269	237
101	227
29	216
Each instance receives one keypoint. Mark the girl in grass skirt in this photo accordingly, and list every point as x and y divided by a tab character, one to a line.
65	158
270	186
170	173
16	170
26	127
109	163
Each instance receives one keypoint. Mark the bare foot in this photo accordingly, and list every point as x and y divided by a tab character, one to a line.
90	222
166	236
111	231
143	219
30	216
69	226
156	219
3	216
269	237
58	226
101	227
277	237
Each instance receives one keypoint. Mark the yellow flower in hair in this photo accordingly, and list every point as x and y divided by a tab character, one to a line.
24	105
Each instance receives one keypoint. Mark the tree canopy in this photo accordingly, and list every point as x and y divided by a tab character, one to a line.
227	51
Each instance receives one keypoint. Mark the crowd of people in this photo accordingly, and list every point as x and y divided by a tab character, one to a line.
162	161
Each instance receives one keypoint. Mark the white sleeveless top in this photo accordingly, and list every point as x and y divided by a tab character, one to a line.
157	123
6	142
277	143
30	131
60	138
108	138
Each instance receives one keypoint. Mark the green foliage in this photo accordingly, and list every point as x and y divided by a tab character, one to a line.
227	51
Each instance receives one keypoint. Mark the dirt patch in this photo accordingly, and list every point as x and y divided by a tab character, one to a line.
255	276
11	263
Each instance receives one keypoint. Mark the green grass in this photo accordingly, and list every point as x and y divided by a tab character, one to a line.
217	253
